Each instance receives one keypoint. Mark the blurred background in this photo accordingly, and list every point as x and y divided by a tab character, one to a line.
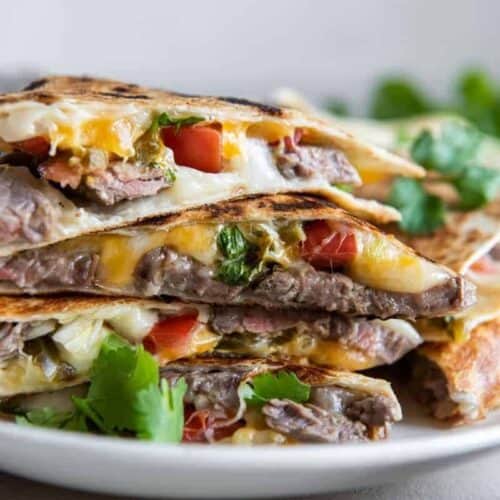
249	47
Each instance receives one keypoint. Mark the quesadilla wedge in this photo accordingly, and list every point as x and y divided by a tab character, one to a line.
459	382
246	401
456	372
47	344
283	251
86	155
336	407
468	244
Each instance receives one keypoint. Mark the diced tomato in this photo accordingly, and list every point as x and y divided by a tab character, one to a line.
201	424
326	247
485	265
37	146
170	337
196	425
195	147
60	171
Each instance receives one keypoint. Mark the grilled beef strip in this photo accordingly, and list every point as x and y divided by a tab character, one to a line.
163	271
305	161
26	213
371	337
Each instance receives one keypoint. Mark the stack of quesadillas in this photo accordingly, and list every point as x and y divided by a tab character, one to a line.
201	264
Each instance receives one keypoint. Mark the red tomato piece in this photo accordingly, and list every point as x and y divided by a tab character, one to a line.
201	425
60	171
484	265
170	337
37	146
326	247
196	147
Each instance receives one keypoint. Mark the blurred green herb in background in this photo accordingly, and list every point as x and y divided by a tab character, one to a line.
451	154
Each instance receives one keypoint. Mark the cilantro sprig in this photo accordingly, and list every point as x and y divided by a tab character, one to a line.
235	268
165	120
125	396
280	385
452	156
421	212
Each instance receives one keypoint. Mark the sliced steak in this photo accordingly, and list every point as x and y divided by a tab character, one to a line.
310	423
304	161
495	252
46	270
431	388
368	409
372	337
11	340
309	288
163	271
26	213
123	181
209	387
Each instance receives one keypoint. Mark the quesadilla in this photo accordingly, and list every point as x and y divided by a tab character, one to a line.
459	382
85	155
47	344
468	244
244	401
337	406
456	373
283	251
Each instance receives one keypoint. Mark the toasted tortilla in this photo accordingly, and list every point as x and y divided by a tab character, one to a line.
460	382
390	266
464	239
53	104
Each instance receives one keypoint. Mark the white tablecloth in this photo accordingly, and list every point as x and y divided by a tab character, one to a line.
477	479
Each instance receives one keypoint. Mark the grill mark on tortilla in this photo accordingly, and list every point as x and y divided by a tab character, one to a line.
124	95
36	84
265	108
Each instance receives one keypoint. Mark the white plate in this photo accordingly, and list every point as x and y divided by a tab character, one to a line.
120	466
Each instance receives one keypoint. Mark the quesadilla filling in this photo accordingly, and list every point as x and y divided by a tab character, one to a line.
226	402
104	163
328	265
45	354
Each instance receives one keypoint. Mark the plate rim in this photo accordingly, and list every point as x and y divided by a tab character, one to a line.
311	456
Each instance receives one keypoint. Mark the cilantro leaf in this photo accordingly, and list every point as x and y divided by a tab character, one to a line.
125	395
421	212
50	418
281	385
450	152
476	186
398	98
478	99
118	374
235	268
337	107
165	120
160	412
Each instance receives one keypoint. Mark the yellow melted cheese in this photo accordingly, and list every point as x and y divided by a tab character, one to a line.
120	254
382	264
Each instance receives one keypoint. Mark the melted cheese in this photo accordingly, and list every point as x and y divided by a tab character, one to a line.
72	126
382	264
120	255
196	240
